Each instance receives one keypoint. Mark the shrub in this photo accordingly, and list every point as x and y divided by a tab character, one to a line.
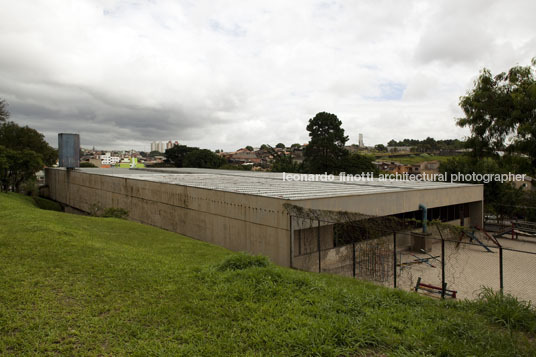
87	164
506	310
45	204
115	213
243	261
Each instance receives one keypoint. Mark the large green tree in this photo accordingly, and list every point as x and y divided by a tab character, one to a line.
500	111
18	166
501	199
356	164
18	138
177	153
326	146
203	158
23	152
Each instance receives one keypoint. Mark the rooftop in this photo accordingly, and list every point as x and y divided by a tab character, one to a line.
267	184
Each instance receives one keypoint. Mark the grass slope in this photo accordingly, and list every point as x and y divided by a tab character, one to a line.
76	285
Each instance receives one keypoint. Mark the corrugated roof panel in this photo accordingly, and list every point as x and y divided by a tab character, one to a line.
268	184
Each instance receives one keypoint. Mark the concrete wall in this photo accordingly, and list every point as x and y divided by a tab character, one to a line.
240	222
254	224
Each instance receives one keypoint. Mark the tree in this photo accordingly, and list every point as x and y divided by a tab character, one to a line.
18	138
203	158
283	162
280	146
326	146
155	153
87	164
500	198
17	167
23	152
177	153
4	113
356	164
500	111
295	146
264	147
249	148
380	148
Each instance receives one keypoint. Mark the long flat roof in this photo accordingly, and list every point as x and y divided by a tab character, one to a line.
268	184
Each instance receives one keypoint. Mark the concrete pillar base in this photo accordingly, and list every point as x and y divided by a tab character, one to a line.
420	242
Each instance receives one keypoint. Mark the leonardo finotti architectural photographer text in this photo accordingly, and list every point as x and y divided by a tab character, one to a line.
441	177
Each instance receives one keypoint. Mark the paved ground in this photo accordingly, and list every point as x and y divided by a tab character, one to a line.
469	267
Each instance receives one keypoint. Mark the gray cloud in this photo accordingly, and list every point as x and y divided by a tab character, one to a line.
218	75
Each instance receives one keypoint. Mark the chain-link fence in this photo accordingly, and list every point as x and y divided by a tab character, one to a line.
444	261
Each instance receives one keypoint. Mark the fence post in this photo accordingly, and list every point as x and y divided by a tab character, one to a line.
443	283
291	243
353	257
319	255
501	271
394	259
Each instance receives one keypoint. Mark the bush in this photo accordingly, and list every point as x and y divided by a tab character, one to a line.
87	164
506	310
45	204
243	261
115	213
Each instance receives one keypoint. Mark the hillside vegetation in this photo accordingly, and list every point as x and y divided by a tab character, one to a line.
77	285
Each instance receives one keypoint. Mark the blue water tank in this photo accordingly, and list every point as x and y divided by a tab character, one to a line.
69	150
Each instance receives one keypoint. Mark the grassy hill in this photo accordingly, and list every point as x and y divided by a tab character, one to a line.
76	285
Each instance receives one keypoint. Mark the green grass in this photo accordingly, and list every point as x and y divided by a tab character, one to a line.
507	310
79	285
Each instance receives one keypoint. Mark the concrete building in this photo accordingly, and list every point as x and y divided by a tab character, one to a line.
361	143
108	159
159	146
244	211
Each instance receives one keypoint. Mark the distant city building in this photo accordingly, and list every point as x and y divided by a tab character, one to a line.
107	159
361	144
162	146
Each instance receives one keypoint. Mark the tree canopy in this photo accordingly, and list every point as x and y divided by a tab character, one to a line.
280	146
380	147
203	158
18	166
177	153
23	152
356	164
500	111
428	145
326	146
18	138
186	156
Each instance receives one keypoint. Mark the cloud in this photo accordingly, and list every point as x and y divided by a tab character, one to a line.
218	75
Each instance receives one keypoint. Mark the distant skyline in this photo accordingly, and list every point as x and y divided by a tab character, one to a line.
219	75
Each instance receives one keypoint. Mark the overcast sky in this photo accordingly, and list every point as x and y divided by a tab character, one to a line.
226	74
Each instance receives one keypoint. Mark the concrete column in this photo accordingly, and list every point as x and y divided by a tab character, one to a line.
476	213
